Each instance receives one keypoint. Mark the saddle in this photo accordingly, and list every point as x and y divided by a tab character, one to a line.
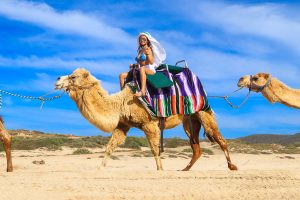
171	90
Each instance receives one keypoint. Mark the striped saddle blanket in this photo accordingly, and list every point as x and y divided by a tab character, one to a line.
186	96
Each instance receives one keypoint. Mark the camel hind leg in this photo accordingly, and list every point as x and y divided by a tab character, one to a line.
210	127
118	137
194	138
6	139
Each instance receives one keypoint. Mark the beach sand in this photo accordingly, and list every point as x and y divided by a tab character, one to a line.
71	177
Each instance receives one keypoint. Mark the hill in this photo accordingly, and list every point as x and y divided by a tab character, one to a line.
271	139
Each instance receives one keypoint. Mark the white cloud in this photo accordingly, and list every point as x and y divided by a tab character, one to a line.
69	22
270	21
106	67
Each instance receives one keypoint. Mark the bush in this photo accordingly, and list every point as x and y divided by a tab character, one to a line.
204	151
135	142
51	143
82	151
207	151
175	142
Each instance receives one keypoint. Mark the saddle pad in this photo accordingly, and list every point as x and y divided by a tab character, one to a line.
159	80
186	96
172	68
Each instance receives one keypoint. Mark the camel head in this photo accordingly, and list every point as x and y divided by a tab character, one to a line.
255	83
78	80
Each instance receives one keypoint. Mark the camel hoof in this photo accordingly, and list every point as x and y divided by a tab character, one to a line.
232	167
101	167
9	170
186	169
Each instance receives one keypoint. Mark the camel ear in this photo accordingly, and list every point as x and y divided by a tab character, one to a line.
86	74
266	76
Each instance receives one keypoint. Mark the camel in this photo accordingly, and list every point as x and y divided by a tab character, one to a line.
6	140
272	89
117	113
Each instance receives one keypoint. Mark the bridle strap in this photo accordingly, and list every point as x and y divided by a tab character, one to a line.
258	87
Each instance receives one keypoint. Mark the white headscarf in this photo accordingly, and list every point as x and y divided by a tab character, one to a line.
159	52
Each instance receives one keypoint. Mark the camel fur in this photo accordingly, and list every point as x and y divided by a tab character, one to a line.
275	91
117	113
5	138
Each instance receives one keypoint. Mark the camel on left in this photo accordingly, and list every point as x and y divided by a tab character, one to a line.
5	138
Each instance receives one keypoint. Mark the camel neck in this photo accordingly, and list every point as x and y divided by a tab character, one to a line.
98	107
277	91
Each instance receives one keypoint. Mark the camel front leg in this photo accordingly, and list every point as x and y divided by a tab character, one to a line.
152	132
6	139
118	137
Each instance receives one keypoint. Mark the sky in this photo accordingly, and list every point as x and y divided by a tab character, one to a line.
222	41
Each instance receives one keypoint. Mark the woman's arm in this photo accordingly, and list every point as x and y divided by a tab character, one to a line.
149	55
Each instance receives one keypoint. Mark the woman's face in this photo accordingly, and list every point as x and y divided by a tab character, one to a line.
143	40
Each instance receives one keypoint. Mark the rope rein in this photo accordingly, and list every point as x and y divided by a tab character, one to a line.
40	98
231	104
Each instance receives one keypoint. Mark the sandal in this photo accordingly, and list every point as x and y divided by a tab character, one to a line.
139	94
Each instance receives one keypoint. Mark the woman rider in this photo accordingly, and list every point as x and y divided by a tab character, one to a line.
150	55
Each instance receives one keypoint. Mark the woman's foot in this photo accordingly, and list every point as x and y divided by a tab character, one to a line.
139	94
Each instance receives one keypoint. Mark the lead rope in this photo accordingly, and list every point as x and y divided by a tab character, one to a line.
0	101
231	104
40	98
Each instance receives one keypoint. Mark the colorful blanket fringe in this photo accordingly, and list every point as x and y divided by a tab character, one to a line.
186	96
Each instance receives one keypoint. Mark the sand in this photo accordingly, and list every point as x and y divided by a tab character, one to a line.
71	177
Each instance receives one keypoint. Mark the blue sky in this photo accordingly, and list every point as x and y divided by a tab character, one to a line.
221	40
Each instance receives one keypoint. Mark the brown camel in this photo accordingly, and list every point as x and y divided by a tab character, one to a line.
272	89
6	140
117	113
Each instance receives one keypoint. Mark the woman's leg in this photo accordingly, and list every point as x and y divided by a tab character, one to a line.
122	78
143	72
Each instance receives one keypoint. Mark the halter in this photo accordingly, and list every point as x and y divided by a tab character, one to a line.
257	87
84	87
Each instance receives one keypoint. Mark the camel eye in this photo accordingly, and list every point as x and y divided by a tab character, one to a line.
72	77
254	78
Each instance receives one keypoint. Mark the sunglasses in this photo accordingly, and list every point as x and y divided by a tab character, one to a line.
143	39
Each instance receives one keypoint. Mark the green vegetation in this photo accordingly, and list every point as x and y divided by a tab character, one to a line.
82	151
175	142
135	143
30	140
204	151
254	148
56	142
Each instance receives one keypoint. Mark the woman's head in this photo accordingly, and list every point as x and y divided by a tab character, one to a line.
159	52
143	40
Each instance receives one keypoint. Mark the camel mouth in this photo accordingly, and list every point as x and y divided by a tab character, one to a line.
61	87
241	85
58	86
61	83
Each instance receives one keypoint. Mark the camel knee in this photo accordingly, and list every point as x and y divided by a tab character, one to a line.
7	139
